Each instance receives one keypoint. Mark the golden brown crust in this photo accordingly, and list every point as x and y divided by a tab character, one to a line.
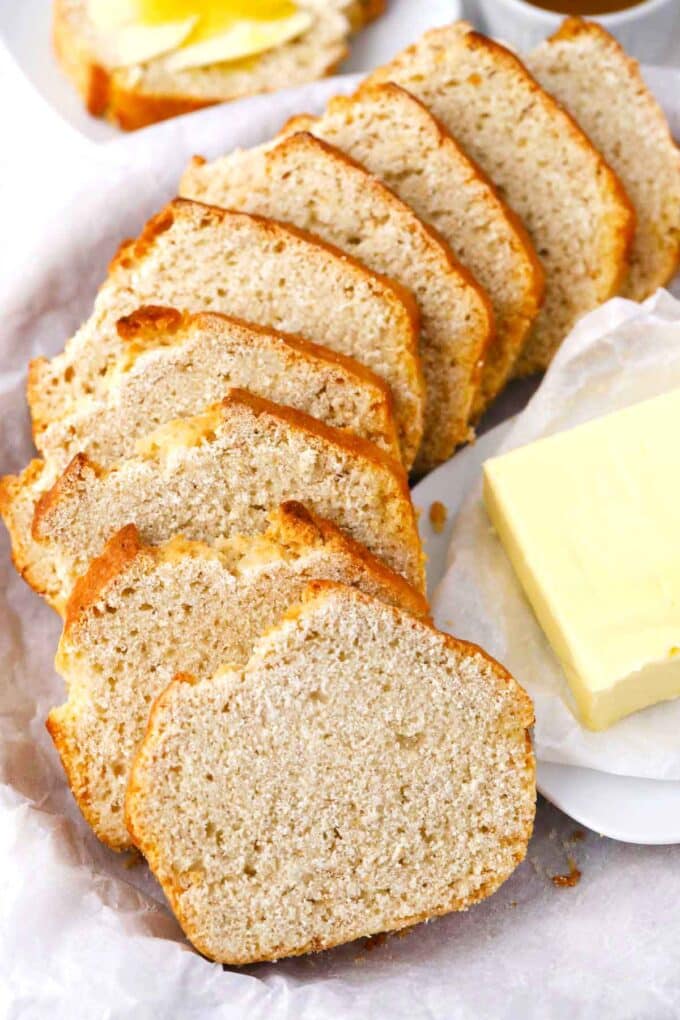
291	524
69	480
210	215
294	520
10	489
298	419
574	28
362	12
172	889
36	366
120	550
149	321
534	297
625	228
72	477
379	187
622	221
451	431
76	775
92	81
131	108
403	294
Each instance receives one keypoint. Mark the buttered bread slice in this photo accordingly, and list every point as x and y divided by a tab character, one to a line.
393	135
573	205
175	364
221	473
389	778
304	181
204	606
198	258
136	89
584	67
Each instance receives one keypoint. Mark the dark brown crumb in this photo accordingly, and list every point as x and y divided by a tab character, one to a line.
133	860
438	514
577	835
375	941
570	880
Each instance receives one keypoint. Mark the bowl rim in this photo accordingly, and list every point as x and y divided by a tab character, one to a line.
641	9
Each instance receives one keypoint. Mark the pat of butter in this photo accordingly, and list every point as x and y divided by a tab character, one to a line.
194	32
244	39
590	519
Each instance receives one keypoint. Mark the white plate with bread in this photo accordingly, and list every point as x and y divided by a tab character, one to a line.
30	30
262	366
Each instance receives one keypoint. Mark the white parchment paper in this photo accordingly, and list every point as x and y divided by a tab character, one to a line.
83	936
616	356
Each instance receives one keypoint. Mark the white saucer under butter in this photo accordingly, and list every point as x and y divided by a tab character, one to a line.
622	807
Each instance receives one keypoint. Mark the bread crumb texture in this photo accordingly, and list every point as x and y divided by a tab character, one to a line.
143	613
361	773
574	207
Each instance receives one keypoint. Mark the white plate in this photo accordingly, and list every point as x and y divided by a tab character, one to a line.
25	28
622	807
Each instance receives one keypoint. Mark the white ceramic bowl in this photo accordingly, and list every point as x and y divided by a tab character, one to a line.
648	31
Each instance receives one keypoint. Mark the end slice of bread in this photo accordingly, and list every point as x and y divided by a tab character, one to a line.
393	135
145	93
572	203
202	606
389	779
200	258
220	473
175	364
586	69
306	182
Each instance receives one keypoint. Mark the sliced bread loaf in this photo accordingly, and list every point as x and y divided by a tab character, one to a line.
204	606
220	473
198	258
394	136
176	364
143	93
389	779
586	69
308	183
573	205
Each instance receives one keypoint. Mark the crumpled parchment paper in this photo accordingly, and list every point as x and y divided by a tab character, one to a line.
84	936
616	356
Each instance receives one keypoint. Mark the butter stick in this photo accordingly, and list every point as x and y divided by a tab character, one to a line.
590	519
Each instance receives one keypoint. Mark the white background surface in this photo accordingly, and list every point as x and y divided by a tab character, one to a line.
77	940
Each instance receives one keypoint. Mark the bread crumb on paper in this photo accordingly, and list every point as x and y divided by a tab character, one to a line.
438	515
571	879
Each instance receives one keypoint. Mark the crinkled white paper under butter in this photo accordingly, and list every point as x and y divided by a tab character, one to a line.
621	354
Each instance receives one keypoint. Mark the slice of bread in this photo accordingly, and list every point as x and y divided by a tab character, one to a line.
361	773
306	182
584	67
220	473
176	364
204	606
394	136
135	96
199	258
573	205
